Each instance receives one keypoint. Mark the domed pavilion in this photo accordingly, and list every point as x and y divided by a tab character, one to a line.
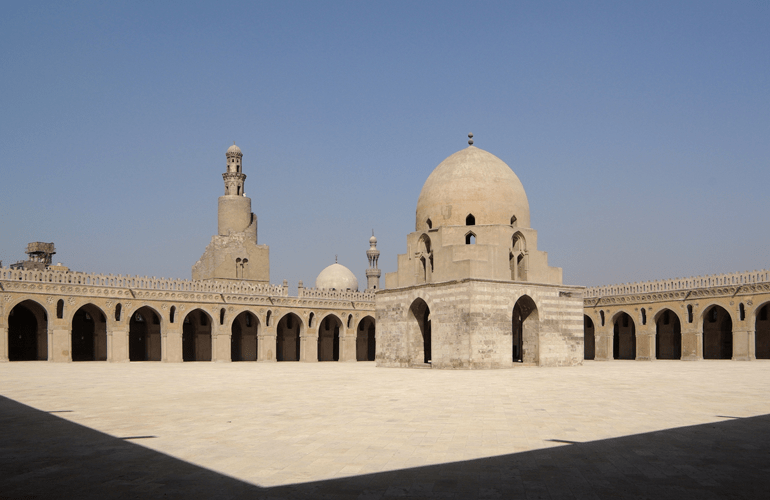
473	290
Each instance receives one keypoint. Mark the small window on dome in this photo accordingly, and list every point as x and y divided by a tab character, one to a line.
430	224
470	220
513	221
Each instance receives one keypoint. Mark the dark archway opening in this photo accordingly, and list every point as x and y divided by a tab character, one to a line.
287	338
717	334
144	335
419	313
27	332
89	334
624	338
244	338
668	336
762	333
196	336
589	341
525	331
365	340
329	338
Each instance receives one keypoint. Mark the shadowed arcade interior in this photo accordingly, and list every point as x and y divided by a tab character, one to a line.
244	337
624	337
717	333
144	335
287	338
525	330
89	334
365	339
329	338
27	332
196	336
668	336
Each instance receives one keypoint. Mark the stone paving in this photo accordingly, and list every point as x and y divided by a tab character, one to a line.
350	430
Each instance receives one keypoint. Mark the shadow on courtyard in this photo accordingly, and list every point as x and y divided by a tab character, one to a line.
44	456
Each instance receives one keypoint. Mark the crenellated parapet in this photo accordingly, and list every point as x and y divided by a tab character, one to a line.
324	293
141	283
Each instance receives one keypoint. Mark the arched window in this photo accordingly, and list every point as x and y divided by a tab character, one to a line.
513	221
267	318
601	314
60	309
470	239
689	314
470	220
430	224
118	309
350	320
222	316
310	320
741	311
172	313
644	316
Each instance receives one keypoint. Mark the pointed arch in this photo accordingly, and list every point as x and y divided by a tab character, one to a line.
717	333
89	334
518	258
27	332
470	238
365	339
196	336
668	335
623	336
288	333
470	220
244	337
329	329
525	323
144	334
419	332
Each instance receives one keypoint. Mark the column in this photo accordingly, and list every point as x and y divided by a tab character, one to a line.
61	345
348	346
266	343
4	345
603	345
171	344
743	345
645	342
221	351
692	342
308	346
117	346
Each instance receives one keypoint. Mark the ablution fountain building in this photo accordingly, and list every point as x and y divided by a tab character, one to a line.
471	291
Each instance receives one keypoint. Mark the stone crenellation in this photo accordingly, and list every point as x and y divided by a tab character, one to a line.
141	282
680	284
323	293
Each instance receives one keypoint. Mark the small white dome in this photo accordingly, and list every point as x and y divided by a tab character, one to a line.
233	150
337	277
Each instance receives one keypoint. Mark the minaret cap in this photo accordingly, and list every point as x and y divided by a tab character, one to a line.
234	150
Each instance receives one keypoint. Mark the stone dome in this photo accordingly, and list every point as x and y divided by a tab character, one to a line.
337	277
373	240
234	150
472	182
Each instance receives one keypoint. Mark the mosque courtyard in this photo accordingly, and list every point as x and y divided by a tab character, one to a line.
618	429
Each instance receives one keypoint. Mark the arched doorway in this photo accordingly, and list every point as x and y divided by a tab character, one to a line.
589	341
762	332
668	336
624	337
144	335
196	336
525	331
27	332
329	338
243	342
717	333
89	334
365	340
287	338
420	332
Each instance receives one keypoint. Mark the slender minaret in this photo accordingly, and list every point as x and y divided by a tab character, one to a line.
235	214
373	274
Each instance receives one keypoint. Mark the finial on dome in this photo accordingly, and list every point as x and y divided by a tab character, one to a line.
470	139
335	258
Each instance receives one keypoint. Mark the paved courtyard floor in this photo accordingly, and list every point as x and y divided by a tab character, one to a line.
620	429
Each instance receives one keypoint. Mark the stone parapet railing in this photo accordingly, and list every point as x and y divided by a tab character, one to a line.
680	284
140	282
315	293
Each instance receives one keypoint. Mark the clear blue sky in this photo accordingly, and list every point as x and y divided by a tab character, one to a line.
640	130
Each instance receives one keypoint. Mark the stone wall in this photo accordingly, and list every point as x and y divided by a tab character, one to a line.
471	324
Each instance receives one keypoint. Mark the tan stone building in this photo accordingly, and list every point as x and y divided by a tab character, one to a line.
723	316
228	312
473	290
